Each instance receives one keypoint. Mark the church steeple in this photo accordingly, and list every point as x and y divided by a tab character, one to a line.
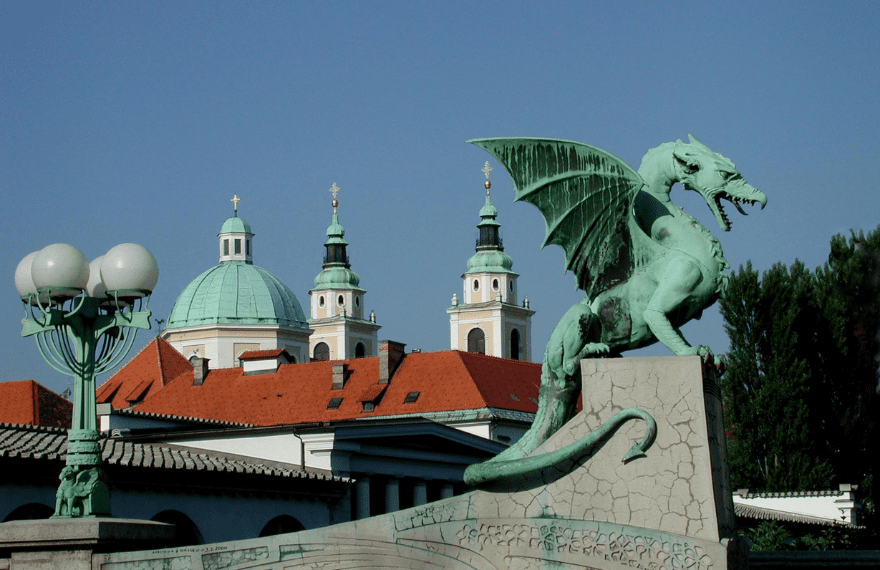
488	319
337	302
335	245
489	238
490	256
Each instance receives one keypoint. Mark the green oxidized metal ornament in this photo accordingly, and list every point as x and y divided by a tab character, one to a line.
646	266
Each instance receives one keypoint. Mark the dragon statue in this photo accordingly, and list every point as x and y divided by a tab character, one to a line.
646	266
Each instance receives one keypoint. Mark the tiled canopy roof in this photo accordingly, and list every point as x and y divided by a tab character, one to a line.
27	402
28	442
764	514
300	393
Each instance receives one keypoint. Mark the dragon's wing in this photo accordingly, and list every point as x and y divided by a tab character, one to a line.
584	194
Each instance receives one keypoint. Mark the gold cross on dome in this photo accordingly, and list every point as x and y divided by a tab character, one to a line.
487	169
334	189
235	200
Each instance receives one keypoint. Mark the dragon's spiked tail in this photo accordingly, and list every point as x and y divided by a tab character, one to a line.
492	470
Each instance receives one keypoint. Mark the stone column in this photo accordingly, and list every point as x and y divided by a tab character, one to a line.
420	493
446	491
392	495
362	497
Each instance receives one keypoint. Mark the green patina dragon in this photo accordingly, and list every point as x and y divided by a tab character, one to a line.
647	267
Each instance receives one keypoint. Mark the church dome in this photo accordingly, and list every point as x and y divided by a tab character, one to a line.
235	225
235	292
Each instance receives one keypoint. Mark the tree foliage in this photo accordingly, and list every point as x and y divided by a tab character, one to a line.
801	389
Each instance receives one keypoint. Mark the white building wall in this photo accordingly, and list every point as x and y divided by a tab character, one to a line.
286	448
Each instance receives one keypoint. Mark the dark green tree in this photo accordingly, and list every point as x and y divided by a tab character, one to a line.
773	442
848	289
801	390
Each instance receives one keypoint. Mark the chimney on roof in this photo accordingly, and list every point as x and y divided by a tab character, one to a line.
390	355
200	369
339	369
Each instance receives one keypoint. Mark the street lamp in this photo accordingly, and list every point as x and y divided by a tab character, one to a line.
84	317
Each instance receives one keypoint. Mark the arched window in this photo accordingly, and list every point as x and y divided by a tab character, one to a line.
477	341
282	524
30	512
186	533
360	350
514	345
322	351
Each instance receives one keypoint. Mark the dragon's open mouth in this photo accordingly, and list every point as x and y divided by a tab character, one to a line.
721	215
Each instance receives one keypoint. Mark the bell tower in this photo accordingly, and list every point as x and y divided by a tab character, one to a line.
337	303
488	318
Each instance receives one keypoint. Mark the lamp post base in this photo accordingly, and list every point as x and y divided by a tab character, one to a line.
83	491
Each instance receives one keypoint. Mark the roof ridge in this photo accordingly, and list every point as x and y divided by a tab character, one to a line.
792	494
30	427
470	374
134	412
159	362
35	403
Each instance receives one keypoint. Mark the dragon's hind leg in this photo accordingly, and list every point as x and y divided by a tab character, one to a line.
560	377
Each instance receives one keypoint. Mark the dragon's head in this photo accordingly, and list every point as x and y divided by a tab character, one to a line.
715	178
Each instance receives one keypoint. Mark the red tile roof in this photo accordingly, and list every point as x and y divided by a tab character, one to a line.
299	393
155	366
26	402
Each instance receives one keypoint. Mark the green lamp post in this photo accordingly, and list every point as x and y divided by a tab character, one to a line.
84	317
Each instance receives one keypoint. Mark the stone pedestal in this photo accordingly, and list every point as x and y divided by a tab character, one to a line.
70	543
669	510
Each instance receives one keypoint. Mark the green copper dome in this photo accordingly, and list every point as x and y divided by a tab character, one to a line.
337	277
488	211
490	261
236	292
235	225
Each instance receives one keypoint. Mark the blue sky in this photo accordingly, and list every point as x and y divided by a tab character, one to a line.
138	121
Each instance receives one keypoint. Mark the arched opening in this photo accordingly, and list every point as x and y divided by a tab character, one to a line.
322	351
30	512
477	341
514	345
360	350
282	524
186	533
